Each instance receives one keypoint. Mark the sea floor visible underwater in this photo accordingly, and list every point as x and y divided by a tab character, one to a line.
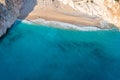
38	52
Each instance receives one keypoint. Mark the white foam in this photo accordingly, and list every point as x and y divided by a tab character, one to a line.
64	25
25	21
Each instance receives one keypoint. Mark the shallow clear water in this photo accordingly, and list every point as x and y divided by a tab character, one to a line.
36	52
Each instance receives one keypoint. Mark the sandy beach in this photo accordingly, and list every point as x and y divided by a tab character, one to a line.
65	14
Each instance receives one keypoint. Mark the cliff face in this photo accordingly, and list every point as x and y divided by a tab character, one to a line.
9	11
108	10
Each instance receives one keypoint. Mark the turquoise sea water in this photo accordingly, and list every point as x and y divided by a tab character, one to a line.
37	52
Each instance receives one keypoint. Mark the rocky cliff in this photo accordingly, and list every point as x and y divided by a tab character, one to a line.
9	11
107	10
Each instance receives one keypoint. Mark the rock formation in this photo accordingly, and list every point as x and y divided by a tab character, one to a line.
108	10
9	11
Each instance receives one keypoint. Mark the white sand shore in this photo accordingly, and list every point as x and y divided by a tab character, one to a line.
51	15
68	16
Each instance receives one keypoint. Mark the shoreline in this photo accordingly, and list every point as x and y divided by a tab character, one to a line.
60	17
65	14
81	20
61	25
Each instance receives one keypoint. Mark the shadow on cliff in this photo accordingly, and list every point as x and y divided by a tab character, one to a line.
27	7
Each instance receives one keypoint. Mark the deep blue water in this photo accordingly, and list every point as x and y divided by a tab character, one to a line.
37	52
